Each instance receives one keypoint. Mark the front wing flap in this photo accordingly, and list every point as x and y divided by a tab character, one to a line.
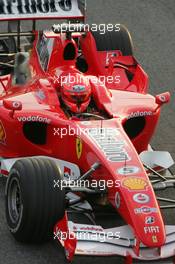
94	240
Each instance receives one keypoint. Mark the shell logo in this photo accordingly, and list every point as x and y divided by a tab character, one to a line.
135	184
2	133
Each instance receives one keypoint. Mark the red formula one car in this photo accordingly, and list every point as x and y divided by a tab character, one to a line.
76	121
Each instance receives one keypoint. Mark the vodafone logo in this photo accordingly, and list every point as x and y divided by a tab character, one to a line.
16	104
140	113
162	98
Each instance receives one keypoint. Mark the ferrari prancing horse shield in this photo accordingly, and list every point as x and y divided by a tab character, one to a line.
2	133
79	147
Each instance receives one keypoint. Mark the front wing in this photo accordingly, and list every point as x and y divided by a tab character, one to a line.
95	241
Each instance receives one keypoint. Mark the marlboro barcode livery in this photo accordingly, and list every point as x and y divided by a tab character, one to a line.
40	9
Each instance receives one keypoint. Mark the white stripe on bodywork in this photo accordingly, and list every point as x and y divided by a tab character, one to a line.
7	164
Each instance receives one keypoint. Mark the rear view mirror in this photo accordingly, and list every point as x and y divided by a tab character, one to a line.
163	98
12	105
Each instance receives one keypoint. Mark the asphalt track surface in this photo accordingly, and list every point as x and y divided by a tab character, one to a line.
152	26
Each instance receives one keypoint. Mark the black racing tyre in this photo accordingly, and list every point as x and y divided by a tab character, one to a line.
114	40
33	204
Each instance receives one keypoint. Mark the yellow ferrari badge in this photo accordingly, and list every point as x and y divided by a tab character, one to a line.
2	133
154	239
79	147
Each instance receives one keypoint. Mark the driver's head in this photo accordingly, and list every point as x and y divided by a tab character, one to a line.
77	95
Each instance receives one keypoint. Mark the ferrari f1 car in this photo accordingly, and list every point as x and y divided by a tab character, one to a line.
76	122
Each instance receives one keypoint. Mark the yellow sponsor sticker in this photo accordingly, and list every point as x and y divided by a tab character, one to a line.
135	184
79	147
2	133
154	239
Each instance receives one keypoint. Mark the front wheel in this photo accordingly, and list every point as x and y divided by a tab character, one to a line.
33	205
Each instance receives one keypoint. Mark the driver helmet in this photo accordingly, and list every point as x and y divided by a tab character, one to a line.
76	96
